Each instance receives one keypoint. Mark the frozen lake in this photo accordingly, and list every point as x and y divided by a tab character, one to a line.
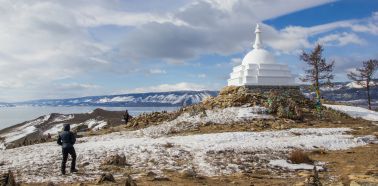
13	115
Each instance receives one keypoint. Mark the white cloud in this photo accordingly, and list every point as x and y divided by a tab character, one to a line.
201	75
236	61
156	71
47	41
232	63
369	25
226	27
99	60
44	42
211	26
77	86
347	62
92	16
292	39
341	39
171	87
264	9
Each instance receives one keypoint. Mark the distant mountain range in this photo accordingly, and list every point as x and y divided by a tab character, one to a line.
348	92
2	104
157	99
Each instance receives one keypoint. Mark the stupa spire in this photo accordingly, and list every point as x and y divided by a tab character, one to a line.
258	43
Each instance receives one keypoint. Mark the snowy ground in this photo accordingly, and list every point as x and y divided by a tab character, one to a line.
153	149
355	112
208	154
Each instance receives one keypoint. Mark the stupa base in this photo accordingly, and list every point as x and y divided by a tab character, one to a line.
267	88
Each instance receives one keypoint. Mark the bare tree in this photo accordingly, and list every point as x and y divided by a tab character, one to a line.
319	72
364	75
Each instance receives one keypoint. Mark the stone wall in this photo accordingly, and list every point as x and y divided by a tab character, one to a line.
262	88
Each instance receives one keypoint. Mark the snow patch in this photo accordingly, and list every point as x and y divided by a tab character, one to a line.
2	146
61	118
57	128
331	88
355	112
94	124
100	125
290	166
354	84
116	99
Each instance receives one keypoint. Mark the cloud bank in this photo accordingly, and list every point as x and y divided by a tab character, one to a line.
48	46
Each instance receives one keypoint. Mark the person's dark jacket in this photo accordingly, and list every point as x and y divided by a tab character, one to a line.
67	138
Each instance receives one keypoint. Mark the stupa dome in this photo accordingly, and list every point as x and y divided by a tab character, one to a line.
258	56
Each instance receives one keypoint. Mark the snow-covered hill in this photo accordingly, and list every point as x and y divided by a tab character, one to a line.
178	98
37	130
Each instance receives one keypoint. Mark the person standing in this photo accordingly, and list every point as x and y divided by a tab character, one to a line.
126	116
67	139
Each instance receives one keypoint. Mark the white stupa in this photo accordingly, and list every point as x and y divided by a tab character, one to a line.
259	68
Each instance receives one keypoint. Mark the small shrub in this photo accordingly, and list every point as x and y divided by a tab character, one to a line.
298	156
281	112
314	180
168	145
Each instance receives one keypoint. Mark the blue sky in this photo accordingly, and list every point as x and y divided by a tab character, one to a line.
61	49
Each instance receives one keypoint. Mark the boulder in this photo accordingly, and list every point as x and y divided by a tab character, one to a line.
188	173
105	177
117	160
129	181
151	174
84	164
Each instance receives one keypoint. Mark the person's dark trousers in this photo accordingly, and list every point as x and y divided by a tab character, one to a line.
66	151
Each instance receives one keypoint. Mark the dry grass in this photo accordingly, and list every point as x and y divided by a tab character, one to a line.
319	151
299	156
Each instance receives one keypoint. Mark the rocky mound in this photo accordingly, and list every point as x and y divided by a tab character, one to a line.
286	103
288	106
